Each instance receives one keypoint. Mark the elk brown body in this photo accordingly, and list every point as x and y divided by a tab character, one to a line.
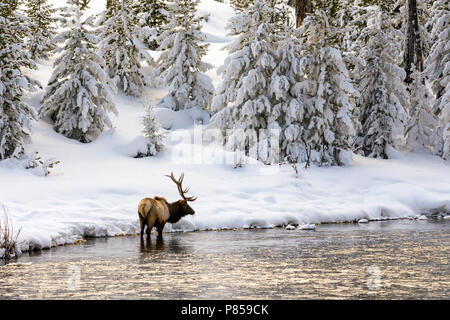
157	211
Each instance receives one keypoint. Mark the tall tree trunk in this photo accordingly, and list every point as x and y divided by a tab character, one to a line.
413	46
302	7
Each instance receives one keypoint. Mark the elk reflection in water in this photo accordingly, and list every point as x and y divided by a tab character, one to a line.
159	244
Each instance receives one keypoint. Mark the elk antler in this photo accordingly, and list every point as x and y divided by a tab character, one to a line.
180	187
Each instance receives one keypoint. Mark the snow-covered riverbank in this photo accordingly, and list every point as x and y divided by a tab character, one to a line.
96	188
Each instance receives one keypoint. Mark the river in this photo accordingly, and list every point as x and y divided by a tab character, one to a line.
404	259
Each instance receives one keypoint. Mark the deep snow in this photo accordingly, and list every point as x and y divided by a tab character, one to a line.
95	189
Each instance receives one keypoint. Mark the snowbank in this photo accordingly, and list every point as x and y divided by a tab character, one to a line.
95	189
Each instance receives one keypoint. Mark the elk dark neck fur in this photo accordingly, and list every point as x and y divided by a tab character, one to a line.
176	211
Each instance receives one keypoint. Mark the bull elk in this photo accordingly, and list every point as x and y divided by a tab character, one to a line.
156	212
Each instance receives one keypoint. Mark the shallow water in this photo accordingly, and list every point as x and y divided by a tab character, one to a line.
392	259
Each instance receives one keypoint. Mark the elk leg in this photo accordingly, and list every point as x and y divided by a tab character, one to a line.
142	223
160	228
150	224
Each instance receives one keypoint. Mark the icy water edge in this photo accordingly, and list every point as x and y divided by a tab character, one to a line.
379	260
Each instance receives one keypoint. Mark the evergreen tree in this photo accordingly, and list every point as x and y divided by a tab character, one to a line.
352	18
78	95
421	121
243	103
289	101
152	132
42	29
180	66
152	16
438	73
328	126
16	116
121	48
384	95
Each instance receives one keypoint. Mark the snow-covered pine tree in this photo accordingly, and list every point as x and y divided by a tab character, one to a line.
152	16
16	116
78	95
121	48
328	127
41	27
438	73
152	132
244	102
422	121
290	102
384	97
350	18
180	66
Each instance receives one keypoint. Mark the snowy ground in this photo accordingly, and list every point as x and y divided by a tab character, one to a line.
95	189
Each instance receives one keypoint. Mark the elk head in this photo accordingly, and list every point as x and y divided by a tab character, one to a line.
181	207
